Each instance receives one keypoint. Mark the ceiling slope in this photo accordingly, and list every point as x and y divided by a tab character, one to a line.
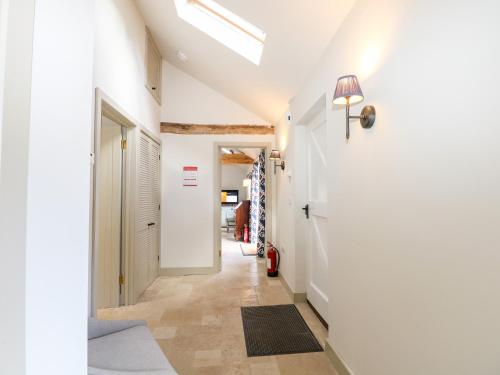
298	31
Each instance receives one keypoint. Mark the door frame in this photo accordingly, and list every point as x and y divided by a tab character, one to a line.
217	184
301	190
116	258
104	105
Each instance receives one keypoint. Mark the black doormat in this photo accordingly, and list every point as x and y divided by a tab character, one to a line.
274	330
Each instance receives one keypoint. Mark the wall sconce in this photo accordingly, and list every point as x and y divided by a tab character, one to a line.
275	155
349	92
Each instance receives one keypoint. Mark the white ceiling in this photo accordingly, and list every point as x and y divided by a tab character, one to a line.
298	31
251	152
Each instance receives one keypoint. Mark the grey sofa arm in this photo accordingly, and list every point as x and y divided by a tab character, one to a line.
98	328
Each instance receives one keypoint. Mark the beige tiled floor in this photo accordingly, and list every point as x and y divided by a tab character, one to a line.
197	321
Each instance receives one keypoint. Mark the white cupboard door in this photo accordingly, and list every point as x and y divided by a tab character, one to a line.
143	240
155	211
148	205
109	213
317	249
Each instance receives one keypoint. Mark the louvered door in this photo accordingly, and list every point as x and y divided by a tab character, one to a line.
154	149
148	208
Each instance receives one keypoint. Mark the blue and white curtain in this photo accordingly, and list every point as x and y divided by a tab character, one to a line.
258	204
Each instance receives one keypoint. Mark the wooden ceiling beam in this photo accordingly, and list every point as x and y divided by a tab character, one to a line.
198	129
235	159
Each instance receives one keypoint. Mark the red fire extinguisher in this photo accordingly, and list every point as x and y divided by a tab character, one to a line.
273	260
245	234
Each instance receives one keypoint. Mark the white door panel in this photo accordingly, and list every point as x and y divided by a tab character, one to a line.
317	208
143	181
317	249
155	211
109	213
141	255
148	214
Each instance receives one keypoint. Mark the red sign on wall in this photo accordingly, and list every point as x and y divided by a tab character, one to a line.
190	176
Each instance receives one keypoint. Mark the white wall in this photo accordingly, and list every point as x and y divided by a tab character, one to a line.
188	212
120	45
187	100
4	7
45	209
57	241
413	202
285	236
44	187
15	126
291	196
232	176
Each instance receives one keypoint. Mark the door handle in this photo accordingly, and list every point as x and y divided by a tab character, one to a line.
306	210
150	224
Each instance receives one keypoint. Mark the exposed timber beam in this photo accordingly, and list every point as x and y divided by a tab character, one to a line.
235	159
194	129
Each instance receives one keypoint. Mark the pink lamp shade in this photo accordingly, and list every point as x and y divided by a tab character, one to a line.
347	88
275	155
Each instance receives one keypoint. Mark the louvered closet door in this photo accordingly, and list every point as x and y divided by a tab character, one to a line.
148	197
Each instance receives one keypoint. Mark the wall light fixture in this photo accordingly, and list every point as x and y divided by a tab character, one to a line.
349	92
276	155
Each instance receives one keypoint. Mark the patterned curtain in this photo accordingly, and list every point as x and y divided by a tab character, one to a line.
254	203
258	204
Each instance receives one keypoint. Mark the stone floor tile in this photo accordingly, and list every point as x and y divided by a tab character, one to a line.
197	321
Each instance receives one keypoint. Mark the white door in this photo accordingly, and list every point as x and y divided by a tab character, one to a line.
154	255
317	247
109	212
147	249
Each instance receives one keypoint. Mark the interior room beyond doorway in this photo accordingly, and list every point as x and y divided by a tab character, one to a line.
243	199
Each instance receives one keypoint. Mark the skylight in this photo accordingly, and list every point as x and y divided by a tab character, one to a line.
224	26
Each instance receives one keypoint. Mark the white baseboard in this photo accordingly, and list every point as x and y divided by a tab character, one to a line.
183	271
336	360
296	297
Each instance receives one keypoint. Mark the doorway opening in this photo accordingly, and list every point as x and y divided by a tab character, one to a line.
112	205
125	208
313	191
243	189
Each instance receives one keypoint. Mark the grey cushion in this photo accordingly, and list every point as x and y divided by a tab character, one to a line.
98	328
97	371
130	350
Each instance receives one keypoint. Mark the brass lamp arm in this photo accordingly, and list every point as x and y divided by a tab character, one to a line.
367	118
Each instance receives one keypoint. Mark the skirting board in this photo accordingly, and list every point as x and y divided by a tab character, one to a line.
296	297
337	362
188	271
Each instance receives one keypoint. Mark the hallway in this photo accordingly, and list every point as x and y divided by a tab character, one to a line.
197	322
